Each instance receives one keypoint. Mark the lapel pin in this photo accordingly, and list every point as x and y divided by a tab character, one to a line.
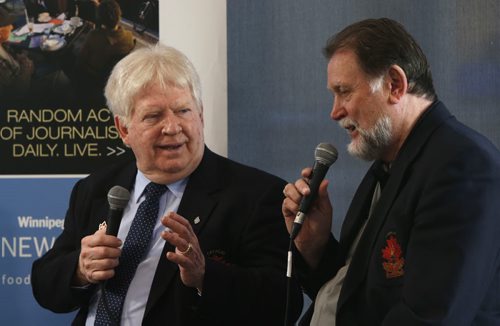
197	220
103	225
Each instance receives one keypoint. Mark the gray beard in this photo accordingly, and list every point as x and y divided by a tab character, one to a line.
373	142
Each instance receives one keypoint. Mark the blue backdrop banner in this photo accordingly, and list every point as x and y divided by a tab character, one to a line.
31	217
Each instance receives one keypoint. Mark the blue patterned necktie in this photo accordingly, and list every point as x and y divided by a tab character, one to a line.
135	248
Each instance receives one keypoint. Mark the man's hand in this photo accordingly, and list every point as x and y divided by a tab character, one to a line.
98	258
315	230
187	254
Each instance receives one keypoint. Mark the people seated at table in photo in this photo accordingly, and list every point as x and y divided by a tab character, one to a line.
16	69
68	7
87	9
102	49
53	7
26	77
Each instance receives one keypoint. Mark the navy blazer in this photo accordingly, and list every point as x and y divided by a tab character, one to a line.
430	253
240	230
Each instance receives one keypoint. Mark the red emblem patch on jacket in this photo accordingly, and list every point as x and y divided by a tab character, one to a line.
392	255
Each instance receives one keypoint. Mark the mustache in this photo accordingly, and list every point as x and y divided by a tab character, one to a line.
348	122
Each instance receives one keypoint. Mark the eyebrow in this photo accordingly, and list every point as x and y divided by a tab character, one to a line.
338	88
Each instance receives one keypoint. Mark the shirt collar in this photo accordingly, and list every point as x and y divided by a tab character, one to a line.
177	188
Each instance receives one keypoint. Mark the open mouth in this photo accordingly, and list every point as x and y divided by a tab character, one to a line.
350	128
171	147
348	125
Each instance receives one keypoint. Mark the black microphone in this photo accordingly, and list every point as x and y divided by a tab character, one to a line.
117	198
325	155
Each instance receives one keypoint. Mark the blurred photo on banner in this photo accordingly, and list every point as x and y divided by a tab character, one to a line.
55	127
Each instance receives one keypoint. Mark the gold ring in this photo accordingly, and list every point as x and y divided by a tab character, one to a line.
187	251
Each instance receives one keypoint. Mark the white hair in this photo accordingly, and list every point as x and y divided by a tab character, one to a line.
156	64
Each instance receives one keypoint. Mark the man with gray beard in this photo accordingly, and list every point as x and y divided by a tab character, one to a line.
419	244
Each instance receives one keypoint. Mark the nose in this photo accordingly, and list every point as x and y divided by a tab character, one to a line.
171	125
338	111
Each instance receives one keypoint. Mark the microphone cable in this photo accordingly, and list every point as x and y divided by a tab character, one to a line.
289	283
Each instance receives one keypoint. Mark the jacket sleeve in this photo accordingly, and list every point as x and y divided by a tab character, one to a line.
52	274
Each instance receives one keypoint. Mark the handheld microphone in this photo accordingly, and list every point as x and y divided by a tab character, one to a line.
325	155
117	198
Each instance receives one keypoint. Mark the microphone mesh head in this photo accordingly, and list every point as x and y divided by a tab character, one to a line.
118	197
326	154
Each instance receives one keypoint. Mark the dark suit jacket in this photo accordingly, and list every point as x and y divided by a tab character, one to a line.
241	231
430	254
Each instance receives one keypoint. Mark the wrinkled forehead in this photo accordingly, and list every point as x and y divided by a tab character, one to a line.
343	67
165	85
161	90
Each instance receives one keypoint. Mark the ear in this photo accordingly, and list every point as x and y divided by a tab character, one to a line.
398	83
122	130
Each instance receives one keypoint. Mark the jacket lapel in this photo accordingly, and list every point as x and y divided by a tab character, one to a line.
358	212
196	206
